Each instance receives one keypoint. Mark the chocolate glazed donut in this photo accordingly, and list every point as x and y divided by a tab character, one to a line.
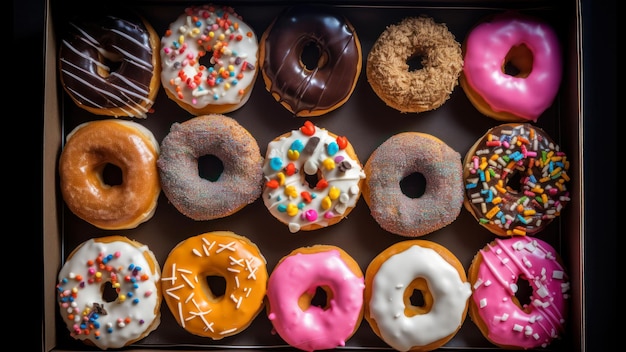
304	90
108	65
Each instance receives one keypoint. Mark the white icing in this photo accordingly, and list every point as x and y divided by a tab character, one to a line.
450	295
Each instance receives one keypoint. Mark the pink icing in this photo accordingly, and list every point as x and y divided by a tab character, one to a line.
542	319
314	328
486	48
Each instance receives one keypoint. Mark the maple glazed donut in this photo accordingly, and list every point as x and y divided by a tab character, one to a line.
313	178
415	90
516	180
390	281
291	293
90	150
109	293
512	67
196	306
494	306
209	59
240	182
109	64
399	157
304	88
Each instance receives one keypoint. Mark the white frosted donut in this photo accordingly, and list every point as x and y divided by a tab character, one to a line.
391	279
109	292
209	60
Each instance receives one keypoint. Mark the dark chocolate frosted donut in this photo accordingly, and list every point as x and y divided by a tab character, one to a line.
304	90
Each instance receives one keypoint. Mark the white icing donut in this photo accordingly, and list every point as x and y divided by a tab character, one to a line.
220	82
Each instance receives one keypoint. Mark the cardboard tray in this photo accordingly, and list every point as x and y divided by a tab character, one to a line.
365	120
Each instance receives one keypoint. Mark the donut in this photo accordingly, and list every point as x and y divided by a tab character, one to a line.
93	154
313	178
315	297
398	160
209	59
310	59
416	295
200	307
109	292
516	180
503	317
109	64
429	85
240	182
512	67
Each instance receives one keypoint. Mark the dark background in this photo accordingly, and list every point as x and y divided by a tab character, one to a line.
24	128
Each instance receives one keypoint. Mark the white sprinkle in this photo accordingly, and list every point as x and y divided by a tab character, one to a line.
517	327
228	246
188	281
180	314
557	274
227	331
483	303
196	252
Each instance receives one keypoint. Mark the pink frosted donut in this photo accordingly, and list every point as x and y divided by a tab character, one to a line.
512	67
495	273
292	287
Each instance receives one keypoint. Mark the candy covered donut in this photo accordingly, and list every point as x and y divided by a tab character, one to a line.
199	307
512	67
510	321
391	279
92	192
240	182
303	87
313	178
109	64
516	180
291	297
414	90
396	160
109	292
209	59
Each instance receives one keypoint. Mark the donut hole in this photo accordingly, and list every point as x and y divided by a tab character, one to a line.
320	297
518	62
415	61
111	63
210	167
524	292
216	285
111	175
418	298
312	56
514	183
413	185
109	293
312	180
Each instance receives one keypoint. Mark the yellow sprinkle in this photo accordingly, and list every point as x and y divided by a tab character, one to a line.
555	171
221	37
122	298
491	213
544	198
500	188
326	203
329	163
496	200
231	68
98	275
281	178
519	232
494	157
537	189
211	34
544	179
334	193
227	86
181	39
529	212
293	154
292	209
291	191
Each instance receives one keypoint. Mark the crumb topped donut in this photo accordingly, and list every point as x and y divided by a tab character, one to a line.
306	88
196	305
422	89
513	322
512	67
109	64
209	58
90	150
390	281
313	178
240	182
398	158
516	180
292	289
109	292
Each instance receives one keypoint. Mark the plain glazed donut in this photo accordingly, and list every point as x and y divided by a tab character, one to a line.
109	292
494	306
515	180
109	65
512	67
313	178
292	289
209	59
390	281
304	90
424	89
90	149
195	305
399	157
238	185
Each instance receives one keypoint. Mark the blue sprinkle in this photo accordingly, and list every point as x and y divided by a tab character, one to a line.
282	208
276	164
332	148
297	145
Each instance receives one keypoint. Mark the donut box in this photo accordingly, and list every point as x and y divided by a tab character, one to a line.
364	119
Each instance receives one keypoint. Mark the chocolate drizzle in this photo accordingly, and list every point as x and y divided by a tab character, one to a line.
318	88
